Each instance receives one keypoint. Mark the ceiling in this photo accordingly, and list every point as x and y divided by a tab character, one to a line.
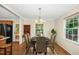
30	11
4	14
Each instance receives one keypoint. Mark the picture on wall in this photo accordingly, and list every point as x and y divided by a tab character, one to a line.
17	28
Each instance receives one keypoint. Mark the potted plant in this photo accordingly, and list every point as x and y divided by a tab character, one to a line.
53	32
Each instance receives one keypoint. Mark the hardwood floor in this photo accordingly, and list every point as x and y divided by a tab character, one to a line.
58	50
19	50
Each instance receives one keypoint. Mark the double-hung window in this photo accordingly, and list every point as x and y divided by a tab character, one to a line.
39	29
72	28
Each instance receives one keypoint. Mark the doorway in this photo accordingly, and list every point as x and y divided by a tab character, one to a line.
27	29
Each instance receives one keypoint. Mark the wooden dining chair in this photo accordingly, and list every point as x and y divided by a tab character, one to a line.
27	44
52	42
5	48
33	42
28	37
41	45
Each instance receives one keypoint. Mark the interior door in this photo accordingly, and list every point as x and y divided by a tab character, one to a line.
9	31
27	29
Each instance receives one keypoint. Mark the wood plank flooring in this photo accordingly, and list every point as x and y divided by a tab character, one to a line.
58	51
17	50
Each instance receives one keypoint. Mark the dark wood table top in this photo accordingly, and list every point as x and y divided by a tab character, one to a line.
34	38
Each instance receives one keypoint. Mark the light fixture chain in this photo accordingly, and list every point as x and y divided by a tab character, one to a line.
39	13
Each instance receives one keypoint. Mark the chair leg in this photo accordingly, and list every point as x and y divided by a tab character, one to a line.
53	50
25	51
45	53
11	50
34	50
36	53
4	51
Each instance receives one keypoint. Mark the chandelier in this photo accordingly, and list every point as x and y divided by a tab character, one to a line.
40	20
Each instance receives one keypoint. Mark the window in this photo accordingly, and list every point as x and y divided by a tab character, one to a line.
72	28
39	29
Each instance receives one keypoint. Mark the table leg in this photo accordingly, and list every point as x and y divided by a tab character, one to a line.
4	51
11	50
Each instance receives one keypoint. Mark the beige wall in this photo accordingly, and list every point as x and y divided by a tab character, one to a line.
68	45
48	25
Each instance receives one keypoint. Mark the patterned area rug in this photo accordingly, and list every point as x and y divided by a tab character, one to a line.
49	52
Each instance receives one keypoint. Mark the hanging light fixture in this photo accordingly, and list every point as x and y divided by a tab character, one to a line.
40	20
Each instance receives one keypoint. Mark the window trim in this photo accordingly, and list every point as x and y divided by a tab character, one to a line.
76	42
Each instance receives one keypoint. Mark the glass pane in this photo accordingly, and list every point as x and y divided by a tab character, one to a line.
75	31
75	21
75	38
70	37
67	31
75	18
67	36
70	31
75	24
71	25
67	25
71	20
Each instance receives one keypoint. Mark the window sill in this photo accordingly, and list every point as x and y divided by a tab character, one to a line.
77	43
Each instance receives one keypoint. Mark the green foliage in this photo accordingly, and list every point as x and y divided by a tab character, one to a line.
53	31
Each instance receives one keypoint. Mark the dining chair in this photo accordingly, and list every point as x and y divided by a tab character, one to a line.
28	37
41	45
32	43
52	42
5	48
27	44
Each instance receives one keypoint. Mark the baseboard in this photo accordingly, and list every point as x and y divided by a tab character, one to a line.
63	49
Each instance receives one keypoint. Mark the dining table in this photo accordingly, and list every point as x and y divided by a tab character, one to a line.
34	39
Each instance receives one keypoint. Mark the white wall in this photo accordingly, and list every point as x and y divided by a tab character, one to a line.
20	22
48	25
68	45
21	31
14	25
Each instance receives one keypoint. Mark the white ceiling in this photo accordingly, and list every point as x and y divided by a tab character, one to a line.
30	11
4	14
